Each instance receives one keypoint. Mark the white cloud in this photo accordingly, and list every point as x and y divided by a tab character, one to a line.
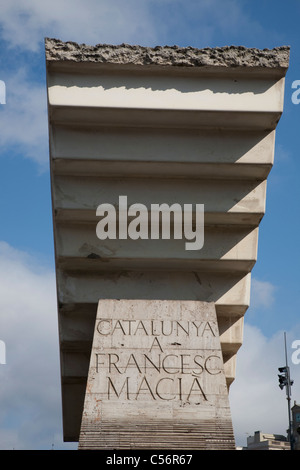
257	402
262	294
25	24
23	119
30	412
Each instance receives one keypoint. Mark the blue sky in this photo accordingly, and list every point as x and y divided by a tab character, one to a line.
30	389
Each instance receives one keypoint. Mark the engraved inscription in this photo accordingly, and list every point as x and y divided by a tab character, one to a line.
157	360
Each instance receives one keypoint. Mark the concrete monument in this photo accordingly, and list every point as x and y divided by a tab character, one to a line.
174	130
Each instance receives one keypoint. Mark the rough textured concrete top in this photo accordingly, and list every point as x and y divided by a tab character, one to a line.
229	56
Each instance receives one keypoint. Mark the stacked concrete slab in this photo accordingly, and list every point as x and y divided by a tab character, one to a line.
159	125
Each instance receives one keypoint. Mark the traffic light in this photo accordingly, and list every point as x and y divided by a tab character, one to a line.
282	381
283	377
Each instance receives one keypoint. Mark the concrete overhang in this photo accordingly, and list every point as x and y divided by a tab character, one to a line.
164	124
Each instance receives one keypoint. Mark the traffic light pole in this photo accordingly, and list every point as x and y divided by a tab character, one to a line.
285	381
288	396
